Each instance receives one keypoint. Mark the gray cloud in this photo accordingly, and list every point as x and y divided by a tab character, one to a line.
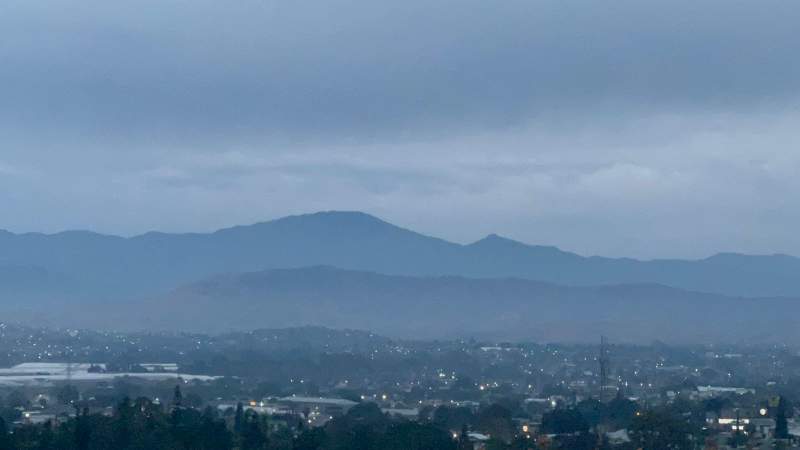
354	67
625	128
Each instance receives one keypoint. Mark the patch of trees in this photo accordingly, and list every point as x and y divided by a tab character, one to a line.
142	424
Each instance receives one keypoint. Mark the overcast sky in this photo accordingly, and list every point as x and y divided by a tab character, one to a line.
621	128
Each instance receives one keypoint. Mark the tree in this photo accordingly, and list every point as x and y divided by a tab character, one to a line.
426	413
495	444
592	410
620	412
123	423
177	397
310	439
579	441
46	436
138	424
464	388
463	439
253	436
781	424
281	439
496	422
522	442
67	394
360	429
214	435
413	436
564	421
5	440
238	419
367	413
17	399
660	430
452	418
82	431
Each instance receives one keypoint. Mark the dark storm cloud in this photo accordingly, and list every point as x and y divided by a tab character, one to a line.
344	66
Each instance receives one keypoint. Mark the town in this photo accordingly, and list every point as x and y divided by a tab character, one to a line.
312	387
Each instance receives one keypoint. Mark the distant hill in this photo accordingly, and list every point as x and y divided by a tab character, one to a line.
113	268
445	307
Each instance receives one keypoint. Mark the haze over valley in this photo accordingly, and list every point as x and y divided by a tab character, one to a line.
353	270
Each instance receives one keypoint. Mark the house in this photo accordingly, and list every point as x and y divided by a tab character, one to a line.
763	425
322	406
618	437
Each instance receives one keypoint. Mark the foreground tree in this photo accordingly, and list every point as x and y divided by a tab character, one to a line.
661	430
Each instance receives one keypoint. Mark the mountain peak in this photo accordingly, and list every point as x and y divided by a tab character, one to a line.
492	239
498	238
335	215
332	217
499	245
495	240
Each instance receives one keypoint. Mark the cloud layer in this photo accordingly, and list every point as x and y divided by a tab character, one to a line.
626	128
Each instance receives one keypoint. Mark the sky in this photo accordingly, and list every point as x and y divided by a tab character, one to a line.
659	129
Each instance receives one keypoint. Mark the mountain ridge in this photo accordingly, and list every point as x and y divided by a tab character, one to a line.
489	238
114	267
454	306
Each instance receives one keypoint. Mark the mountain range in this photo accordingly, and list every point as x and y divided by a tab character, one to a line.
89	266
450	307
353	270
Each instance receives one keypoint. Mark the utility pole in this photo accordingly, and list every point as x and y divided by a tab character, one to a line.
603	361
69	370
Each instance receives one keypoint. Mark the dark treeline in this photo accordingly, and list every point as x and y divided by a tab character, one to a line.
139	424
145	425
142	424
